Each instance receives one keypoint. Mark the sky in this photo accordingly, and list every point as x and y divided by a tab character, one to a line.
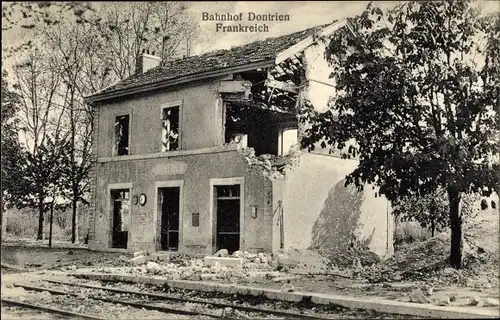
302	14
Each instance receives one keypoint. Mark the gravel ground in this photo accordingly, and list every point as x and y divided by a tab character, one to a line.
38	258
17	313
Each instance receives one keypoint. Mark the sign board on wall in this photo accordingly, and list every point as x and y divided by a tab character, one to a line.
141	217
175	167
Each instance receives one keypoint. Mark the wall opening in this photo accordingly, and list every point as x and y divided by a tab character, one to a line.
169	221
484	204
227	219
122	128
120	218
170	129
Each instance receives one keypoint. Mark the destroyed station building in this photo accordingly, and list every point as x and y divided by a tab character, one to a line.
198	154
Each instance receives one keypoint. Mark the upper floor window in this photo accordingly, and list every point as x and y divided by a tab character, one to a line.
287	138
170	128
122	130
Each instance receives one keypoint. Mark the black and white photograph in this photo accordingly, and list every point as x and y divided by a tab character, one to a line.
250	160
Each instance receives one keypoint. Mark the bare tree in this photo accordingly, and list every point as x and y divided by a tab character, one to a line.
82	48
40	115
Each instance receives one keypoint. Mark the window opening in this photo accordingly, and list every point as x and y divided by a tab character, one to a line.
170	129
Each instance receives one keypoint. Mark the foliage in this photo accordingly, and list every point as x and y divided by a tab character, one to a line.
432	211
45	171
417	89
12	152
44	177
409	232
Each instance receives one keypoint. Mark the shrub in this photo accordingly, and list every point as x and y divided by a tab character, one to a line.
410	232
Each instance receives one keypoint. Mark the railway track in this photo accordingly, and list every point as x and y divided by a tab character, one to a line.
48	310
267	311
176	303
166	304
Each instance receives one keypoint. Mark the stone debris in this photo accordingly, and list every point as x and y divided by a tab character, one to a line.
238	254
491	302
157	256
221	253
289	278
428	289
138	260
483	302
225	261
287	287
153	267
443	302
45	294
139	253
475	301
417	296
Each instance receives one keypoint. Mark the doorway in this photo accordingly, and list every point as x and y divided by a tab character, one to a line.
227	218
120	206
169	220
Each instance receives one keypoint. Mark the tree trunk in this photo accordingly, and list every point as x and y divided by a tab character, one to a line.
433	228
73	220
51	221
4	220
456	229
40	220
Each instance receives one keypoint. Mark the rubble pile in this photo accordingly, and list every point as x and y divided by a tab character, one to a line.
428	261
412	262
303	262
345	259
244	267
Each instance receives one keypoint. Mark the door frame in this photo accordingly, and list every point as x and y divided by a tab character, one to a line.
223	182
115	186
157	214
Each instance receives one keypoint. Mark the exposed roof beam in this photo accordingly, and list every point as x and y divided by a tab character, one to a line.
281	85
302	45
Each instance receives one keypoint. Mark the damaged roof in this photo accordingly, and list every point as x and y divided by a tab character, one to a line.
204	65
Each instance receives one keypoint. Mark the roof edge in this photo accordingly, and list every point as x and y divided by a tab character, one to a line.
278	58
172	82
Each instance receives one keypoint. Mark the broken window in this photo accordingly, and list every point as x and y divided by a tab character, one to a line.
170	129
122	126
252	127
484	204
287	139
